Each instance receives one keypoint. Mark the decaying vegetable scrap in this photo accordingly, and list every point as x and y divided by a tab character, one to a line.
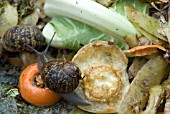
156	95
136	65
143	50
103	66
149	75
166	85
121	47
30	91
8	17
146	24
106	3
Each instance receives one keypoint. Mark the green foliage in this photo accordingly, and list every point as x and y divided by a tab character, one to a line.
141	5
74	34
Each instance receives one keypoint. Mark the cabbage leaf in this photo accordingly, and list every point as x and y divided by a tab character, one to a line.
73	34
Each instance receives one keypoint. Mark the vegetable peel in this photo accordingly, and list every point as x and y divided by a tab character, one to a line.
149	75
143	50
145	23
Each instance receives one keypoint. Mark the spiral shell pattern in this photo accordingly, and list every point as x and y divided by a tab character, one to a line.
61	76
14	38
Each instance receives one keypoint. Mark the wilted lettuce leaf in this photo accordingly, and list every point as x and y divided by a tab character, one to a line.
136	65
141	5
75	34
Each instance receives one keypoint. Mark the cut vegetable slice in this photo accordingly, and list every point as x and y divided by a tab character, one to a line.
103	66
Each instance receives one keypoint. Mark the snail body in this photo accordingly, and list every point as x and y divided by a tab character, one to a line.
15	38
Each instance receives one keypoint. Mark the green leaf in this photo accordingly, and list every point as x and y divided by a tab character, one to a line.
138	4
13	92
74	34
94	15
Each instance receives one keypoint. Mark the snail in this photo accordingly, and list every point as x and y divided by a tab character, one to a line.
60	75
14	38
13	41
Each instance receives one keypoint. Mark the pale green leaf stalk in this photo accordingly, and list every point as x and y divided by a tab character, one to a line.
93	14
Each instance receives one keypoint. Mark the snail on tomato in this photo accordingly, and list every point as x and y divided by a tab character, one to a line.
59	75
32	89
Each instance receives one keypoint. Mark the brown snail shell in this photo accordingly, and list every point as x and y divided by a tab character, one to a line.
14	38
61	76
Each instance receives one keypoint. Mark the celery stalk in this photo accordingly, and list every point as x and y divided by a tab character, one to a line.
93	14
